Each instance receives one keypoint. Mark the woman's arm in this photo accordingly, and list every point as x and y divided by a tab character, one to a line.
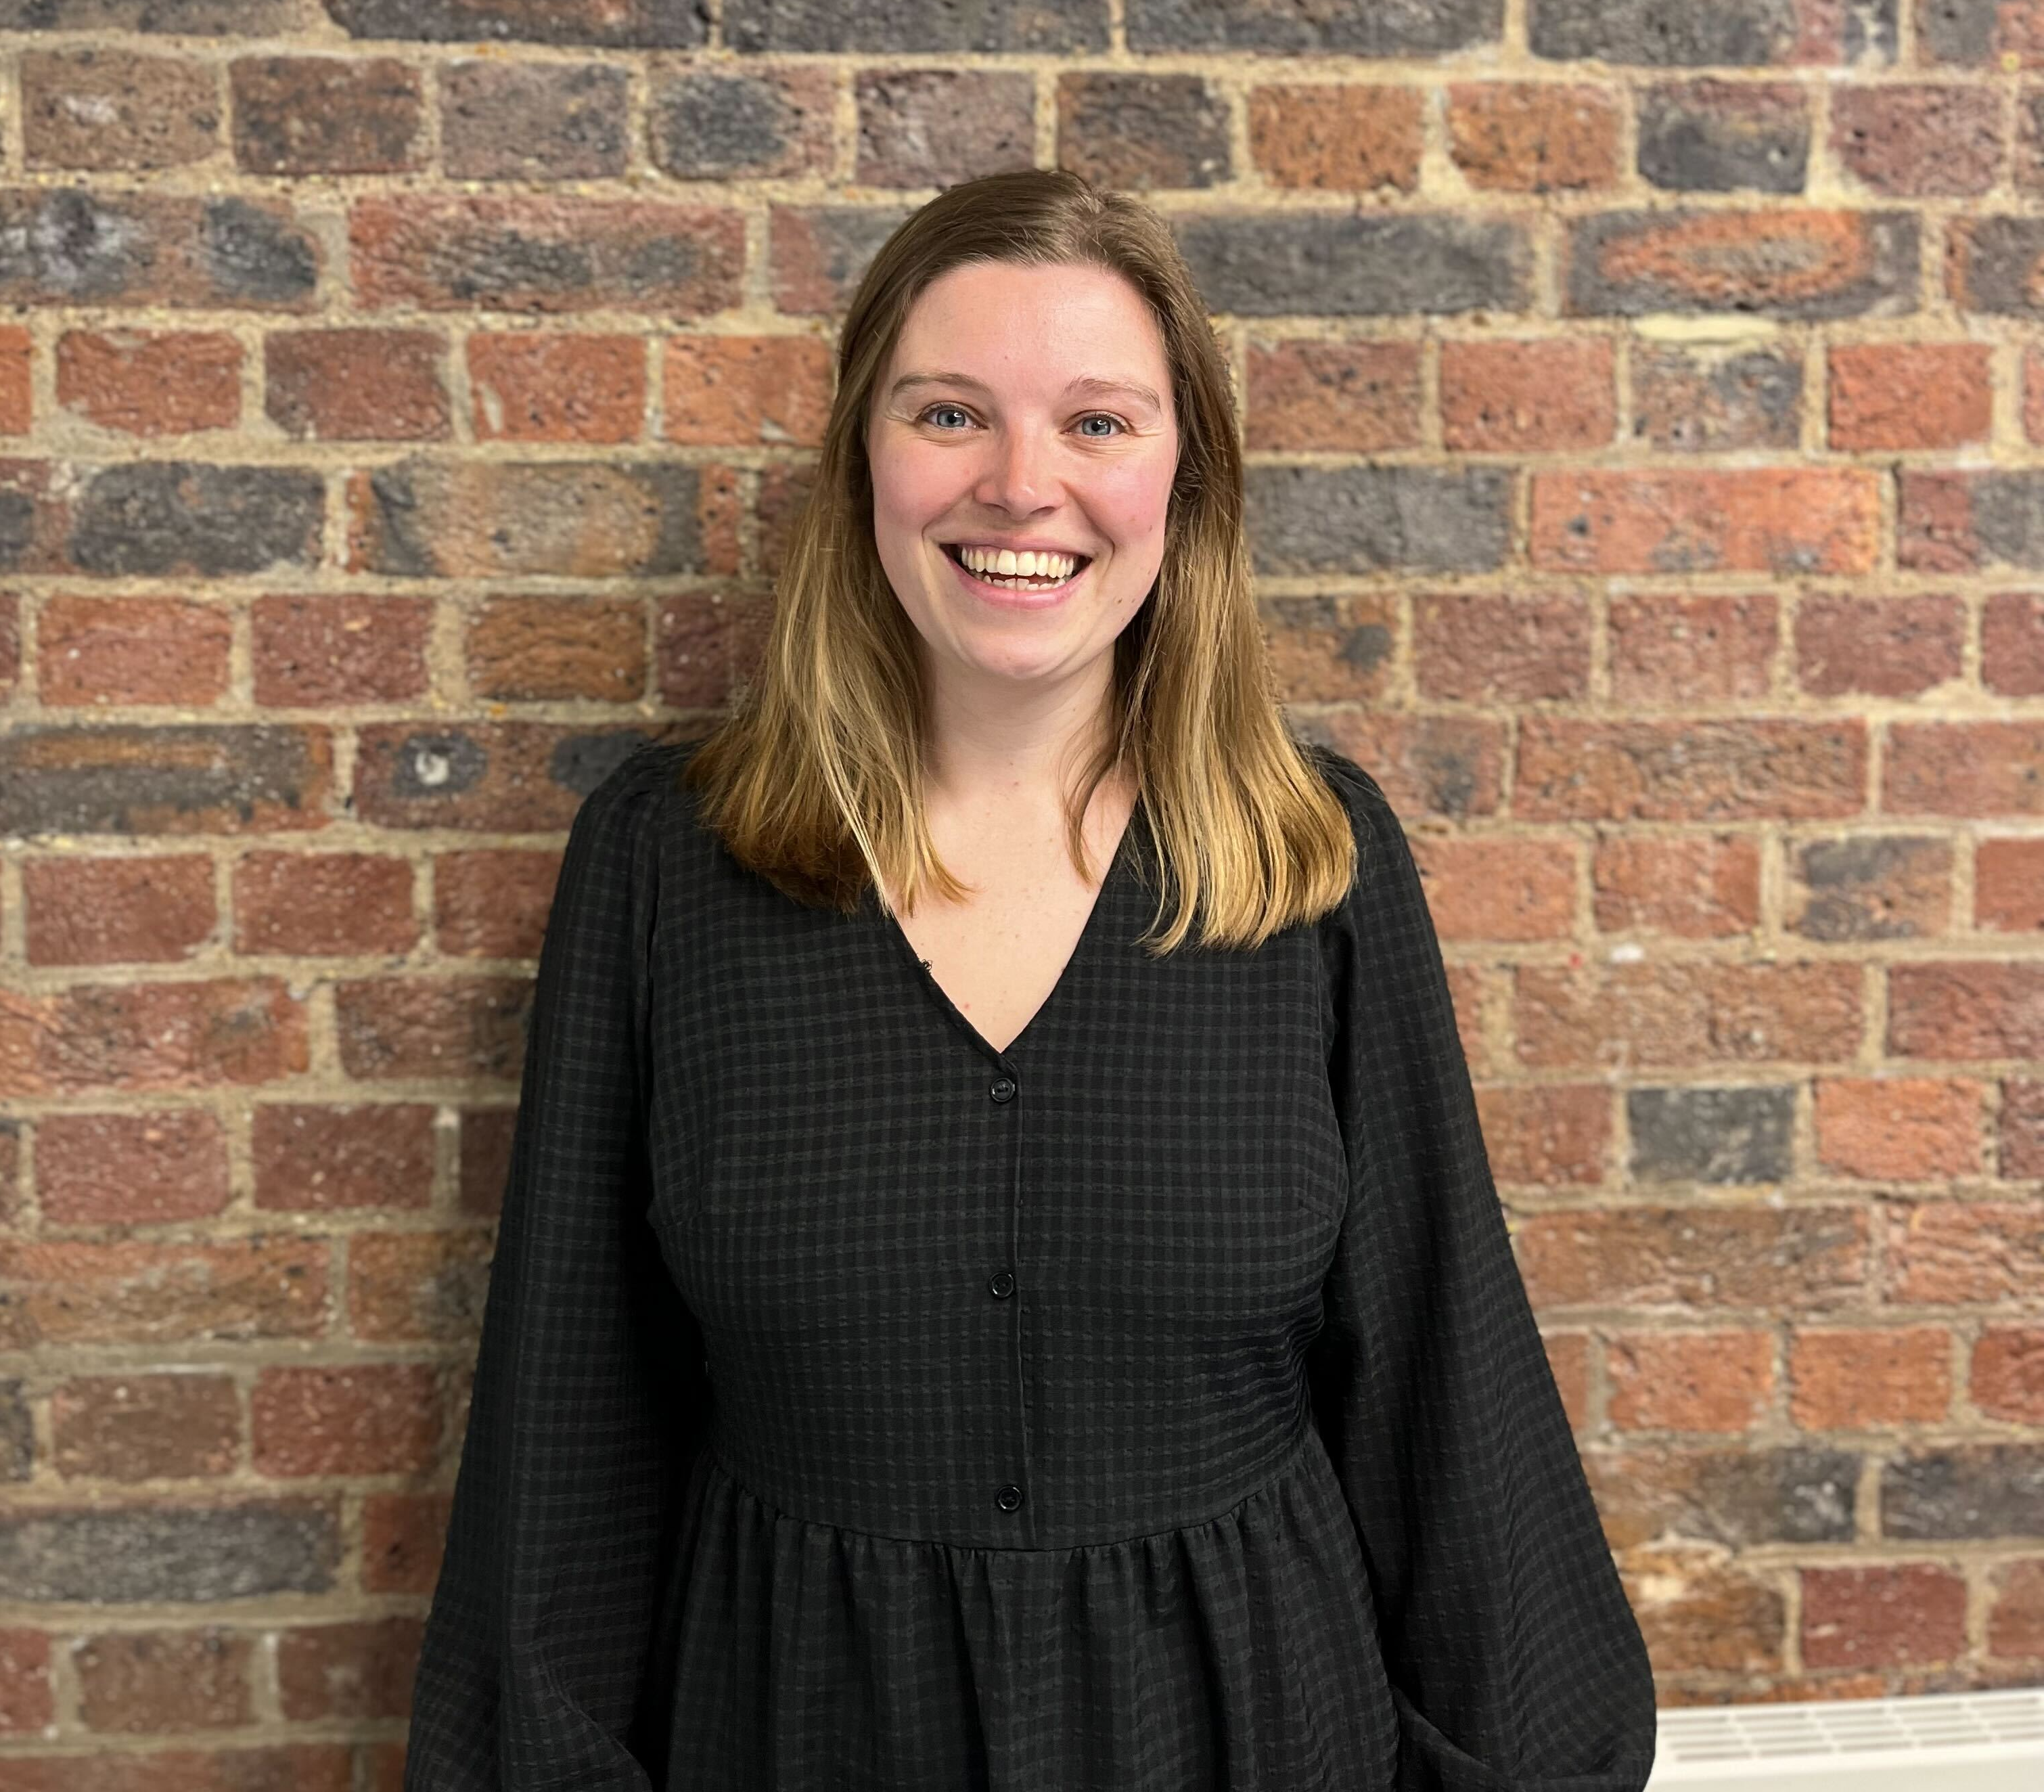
588	1402
1516	1663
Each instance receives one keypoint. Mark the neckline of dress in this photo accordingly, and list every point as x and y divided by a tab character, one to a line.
1096	918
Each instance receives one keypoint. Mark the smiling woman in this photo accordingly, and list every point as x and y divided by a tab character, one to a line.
942	1337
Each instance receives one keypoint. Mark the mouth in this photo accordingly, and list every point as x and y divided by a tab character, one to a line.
1017	589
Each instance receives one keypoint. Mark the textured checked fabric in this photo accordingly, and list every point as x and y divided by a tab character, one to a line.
1153	1406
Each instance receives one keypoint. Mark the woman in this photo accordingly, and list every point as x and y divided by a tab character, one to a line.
946	1339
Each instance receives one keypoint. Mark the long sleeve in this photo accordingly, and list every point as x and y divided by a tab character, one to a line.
1515	1661
539	1665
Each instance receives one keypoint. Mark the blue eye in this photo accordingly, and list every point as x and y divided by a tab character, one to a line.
1102	417
959	409
929	411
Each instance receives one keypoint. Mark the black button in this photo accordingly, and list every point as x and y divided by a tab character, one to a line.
1009	1497
1001	1286
1003	1089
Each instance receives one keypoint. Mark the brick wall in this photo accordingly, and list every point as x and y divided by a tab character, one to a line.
407	400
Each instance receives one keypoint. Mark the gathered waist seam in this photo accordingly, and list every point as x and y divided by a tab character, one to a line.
1286	1461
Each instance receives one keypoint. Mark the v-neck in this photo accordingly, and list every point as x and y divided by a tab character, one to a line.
1096	918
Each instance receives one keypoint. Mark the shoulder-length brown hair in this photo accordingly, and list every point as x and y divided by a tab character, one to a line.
815	779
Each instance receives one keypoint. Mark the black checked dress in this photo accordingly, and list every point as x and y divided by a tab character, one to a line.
1153	1406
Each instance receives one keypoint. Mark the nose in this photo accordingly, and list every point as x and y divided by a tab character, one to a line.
1017	476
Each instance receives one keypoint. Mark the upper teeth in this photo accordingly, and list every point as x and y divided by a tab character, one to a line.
1006	564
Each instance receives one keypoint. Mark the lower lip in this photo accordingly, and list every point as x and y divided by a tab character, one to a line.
1011	598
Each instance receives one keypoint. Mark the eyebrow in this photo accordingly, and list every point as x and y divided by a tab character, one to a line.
1085	384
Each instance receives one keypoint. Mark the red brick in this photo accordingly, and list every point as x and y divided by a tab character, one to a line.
1533	137
308	1158
708	640
369	1419
746	391
1898	1128
557	387
1888	1615
1692	887
127	1169
1502	889
1568	1362
2007	1376
1962	1253
325	1767
26	1704
558	649
1306	394
1706	398
1776	520
1698	1613
1346	138
141	1036
313	650
323	904
1917	139
1333	648
1713	648
1546	1133
1690	1381
16	389
1870	887
403	1537
104	652
327	115
1427	765
2012	644
2021	1128
147	1291
2016	1623
140	1682
145	382
158	909
1791	1259
423	1287
1880	647
1970	769
1476	647
354	1671
1966	1009
1849	1380
1613	1016
2008	885
1529	395
1572	770
357	384
146	1426
436	1027
493	902
1909	395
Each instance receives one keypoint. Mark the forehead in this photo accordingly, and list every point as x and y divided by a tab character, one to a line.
1026	327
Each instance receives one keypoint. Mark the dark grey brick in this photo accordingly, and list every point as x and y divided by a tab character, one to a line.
1331	263
1044	28
1717	137
532	122
2001	257
186	517
198	18
1727	275
1970	1490
1371	519
670	25
709	124
1372	28
17	1432
2008	517
1724	33
1138	131
253	255
114	779
1743	1497
1711	1134
1690	400
1850	881
935	127
189	1555
1957	30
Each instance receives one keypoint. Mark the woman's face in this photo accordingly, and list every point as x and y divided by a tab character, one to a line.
1023	407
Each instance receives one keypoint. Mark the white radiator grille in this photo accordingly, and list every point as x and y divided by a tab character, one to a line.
1958	1742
